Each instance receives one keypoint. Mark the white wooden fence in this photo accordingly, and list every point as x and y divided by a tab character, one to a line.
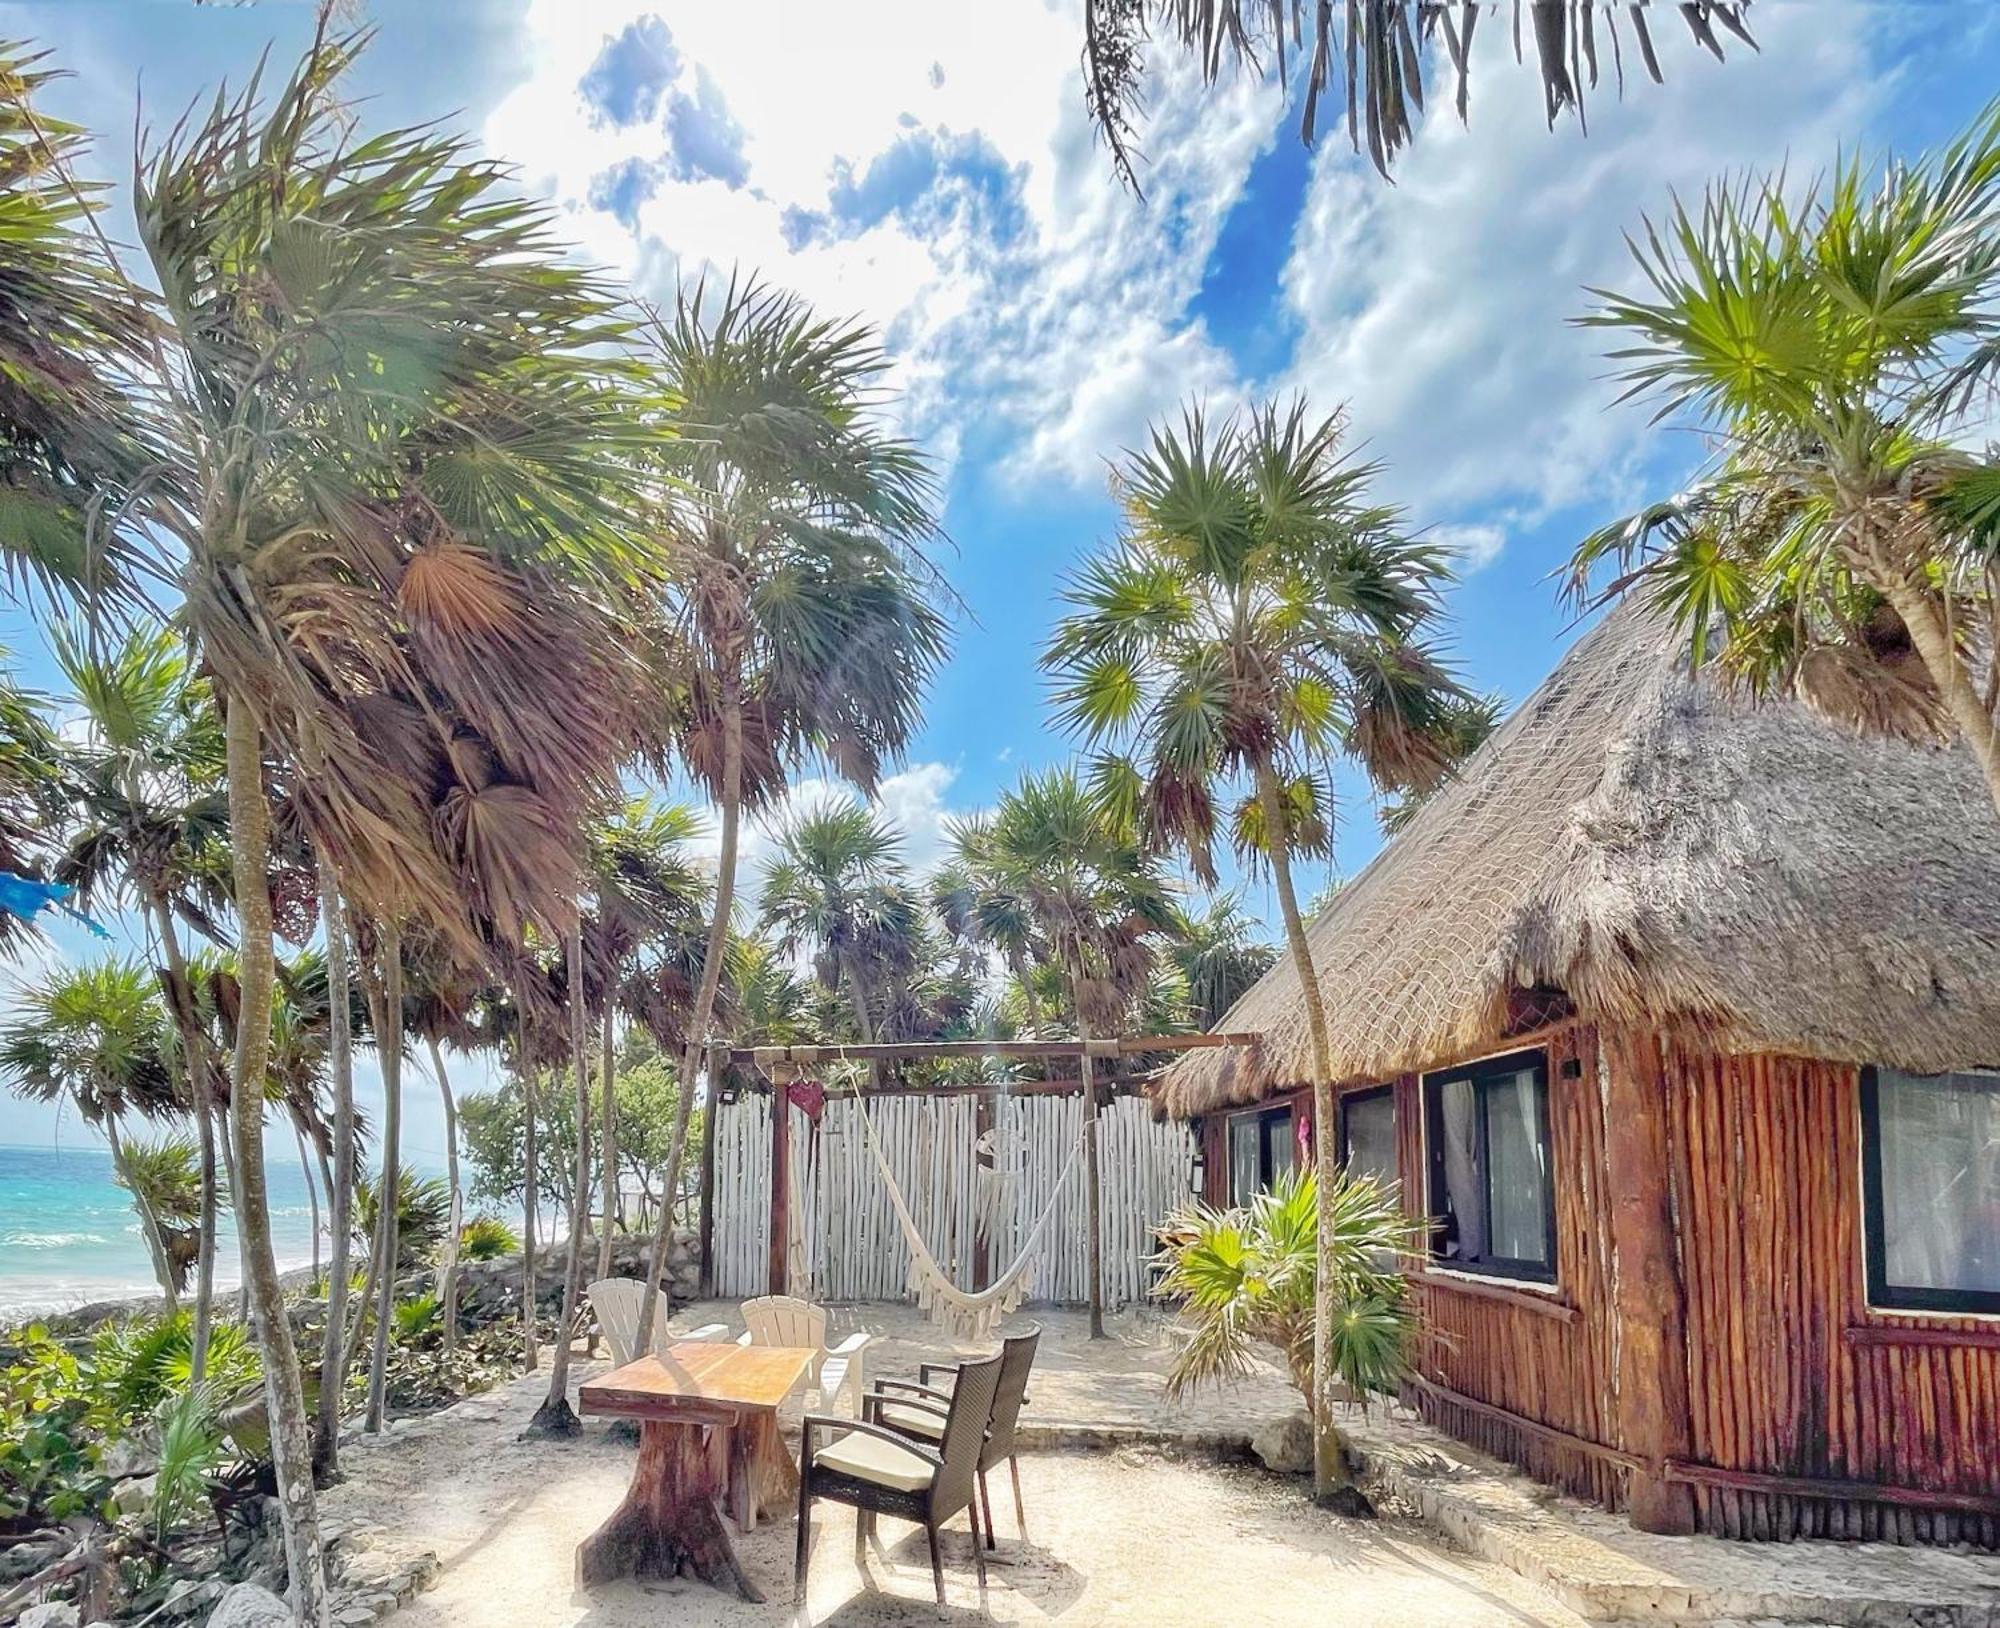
845	1242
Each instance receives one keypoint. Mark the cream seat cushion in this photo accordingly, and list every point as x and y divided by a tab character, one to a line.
870	1458
914	1422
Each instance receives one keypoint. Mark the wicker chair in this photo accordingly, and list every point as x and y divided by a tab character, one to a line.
917	1409
879	1471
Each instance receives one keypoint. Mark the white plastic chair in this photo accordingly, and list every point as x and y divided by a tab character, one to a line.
839	1372
616	1302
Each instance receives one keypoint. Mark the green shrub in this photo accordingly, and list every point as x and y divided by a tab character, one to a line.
417	1321
136	1365
49	1451
487	1238
423	1215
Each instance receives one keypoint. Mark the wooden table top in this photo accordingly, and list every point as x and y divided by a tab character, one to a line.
697	1376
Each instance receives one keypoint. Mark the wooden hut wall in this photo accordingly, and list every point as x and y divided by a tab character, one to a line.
1528	1374
1791	1374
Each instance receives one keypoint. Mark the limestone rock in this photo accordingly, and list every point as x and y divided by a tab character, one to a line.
250	1605
1286	1445
49	1614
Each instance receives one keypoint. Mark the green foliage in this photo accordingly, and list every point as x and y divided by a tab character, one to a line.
1247	1276
487	1238
1839	343
135	1367
417	1321
49	1449
192	1446
423	1217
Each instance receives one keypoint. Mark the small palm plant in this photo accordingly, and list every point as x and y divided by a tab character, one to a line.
487	1238
1245	1277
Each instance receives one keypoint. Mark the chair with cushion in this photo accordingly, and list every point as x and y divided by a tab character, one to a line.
838	1372
918	1408
879	1471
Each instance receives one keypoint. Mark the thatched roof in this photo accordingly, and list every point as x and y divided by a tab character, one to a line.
1661	850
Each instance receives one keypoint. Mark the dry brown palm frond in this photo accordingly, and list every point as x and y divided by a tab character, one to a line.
515	854
1855	686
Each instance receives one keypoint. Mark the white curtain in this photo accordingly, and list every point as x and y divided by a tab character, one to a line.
1940	1153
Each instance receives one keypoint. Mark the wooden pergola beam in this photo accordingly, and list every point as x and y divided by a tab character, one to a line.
922	1050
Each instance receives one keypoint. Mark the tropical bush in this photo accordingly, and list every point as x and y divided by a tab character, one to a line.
417	1321
487	1238
423	1217
49	1452
135	1367
1245	1277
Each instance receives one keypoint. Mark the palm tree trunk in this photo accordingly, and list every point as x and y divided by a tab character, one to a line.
284	1394
448	1267
1018	964
555	1417
704	1000
335	1342
194	1060
1330	1469
1093	1180
608	1138
389	1047
531	1353
149	1220
1950	672
312	1195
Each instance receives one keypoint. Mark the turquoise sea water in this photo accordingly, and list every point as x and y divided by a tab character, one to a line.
69	1234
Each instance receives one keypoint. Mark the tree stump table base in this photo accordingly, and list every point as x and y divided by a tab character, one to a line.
671	1522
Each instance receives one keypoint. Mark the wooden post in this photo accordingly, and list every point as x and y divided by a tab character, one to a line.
716	1062
982	1247
1649	1303
781	1188
1093	1194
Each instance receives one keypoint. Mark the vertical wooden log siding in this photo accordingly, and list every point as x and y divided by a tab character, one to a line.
1647	1303
780	1234
1505	1349
1792	1374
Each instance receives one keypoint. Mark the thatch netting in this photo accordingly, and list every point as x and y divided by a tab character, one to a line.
1660	850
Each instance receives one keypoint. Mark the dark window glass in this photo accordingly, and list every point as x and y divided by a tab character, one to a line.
1260	1151
1279	1146
1931	1165
1370	1148
1490	1169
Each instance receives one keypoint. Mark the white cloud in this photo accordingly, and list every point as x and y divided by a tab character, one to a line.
1474	546
1439	307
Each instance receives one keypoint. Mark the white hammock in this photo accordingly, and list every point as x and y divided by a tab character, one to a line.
971	1317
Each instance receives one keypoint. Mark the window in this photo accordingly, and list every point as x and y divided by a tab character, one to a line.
1491	1188
1930	1168
1368	1143
1260	1151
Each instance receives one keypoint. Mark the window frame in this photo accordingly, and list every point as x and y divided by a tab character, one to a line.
1482	1075
1259	1115
1374	1093
1878	1293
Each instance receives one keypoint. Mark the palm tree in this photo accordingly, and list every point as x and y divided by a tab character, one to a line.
439	1001
1842	347
1251	1275
1382	43
35	794
984	916
70	326
96	1038
1257	620
1098	901
394	505
836	889
642	944
165	1180
148	824
803	616
1220	956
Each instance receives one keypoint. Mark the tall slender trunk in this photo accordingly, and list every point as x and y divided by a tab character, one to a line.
858	994
194	1060
531	1354
1093	1178
448	1267
607	1133
312	1195
340	1198
1950	672
1331	1474
704	1000
389	1047
555	1417
149	1220
1023	975
284	1394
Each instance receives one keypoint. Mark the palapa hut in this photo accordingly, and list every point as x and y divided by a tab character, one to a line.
1677	1014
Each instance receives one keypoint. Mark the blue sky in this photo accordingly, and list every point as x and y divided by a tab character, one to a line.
926	165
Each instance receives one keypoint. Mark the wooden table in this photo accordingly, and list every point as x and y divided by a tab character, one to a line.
708	1429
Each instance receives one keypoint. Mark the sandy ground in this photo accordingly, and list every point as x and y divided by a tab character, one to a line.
1121	1537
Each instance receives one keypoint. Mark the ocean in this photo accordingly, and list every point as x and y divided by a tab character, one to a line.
69	1233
